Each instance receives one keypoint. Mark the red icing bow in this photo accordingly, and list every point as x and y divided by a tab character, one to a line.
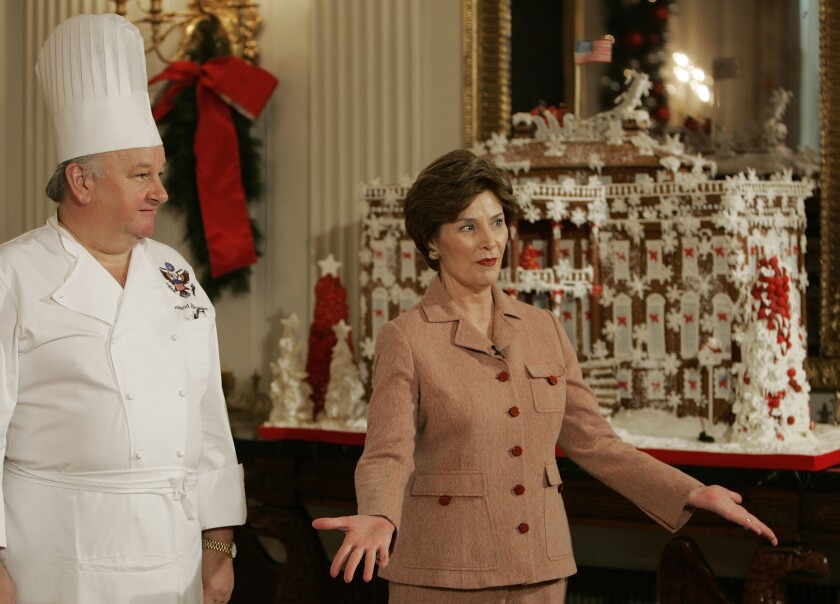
221	83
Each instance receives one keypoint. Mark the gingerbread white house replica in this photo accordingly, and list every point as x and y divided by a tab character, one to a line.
649	263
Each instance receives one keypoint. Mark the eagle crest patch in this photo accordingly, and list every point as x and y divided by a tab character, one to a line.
178	280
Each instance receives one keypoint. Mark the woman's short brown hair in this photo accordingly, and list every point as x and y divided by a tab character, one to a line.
445	188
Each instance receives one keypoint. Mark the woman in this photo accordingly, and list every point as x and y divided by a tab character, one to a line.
458	488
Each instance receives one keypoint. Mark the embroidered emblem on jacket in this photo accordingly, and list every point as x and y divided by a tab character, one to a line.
178	280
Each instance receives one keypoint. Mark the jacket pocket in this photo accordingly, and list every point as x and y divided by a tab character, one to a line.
558	541
197	335
548	386
446	524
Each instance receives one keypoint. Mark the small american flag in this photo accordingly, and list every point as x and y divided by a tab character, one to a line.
593	51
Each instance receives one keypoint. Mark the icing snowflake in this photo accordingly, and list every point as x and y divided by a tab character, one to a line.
578	217
599	349
554	146
675	321
638	286
497	144
674	293
641	334
607	295
596	163
673	145
368	347
650	213
619	205
365	256
531	213
364	278
479	148
638	356
674	401
598	212
671	163
707	324
426	277
669	239
557	209
609	330
634	228
668	205
568	185
671	364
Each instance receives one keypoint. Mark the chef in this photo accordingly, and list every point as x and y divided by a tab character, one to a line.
120	481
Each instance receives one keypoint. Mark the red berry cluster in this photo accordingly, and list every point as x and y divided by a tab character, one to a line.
772	300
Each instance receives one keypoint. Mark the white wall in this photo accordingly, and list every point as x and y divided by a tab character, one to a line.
409	86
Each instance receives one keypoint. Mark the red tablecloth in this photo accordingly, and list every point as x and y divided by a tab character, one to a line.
768	461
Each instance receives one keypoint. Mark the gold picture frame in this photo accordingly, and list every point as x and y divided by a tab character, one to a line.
487	107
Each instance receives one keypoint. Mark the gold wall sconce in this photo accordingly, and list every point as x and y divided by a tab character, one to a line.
238	20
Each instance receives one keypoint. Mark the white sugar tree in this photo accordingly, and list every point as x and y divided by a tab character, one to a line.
344	404
289	391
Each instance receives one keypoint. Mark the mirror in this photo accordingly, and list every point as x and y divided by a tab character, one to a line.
487	107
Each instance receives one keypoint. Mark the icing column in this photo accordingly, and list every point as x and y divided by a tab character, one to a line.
772	401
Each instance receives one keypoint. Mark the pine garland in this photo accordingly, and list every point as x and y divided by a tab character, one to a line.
177	132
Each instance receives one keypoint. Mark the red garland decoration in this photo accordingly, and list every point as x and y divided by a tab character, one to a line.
330	308
221	83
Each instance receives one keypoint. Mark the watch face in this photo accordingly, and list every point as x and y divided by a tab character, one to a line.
233	550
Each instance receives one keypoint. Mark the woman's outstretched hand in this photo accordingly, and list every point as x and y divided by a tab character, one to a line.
367	537
727	504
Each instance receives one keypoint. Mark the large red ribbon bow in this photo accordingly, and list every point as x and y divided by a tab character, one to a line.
221	83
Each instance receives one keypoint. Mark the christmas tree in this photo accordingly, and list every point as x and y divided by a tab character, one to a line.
330	308
344	404
773	391
289	389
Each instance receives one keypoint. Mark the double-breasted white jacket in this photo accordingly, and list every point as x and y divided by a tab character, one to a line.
113	425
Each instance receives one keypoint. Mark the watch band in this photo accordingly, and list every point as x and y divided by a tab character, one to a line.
220	546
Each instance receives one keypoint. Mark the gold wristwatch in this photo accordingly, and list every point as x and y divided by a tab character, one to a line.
220	546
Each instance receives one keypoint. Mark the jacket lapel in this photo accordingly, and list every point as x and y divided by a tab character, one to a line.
88	289
505	328
438	307
145	297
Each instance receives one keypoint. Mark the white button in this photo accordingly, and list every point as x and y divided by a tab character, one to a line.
139	455
180	453
130	396
182	392
174	337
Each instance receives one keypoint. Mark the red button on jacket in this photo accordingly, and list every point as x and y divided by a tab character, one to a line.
523	528
503	376
516	451
552	379
444	500
519	489
513	411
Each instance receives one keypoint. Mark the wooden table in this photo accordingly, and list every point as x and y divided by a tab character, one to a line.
800	499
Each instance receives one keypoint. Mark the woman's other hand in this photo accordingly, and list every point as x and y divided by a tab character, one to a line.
367	537
727	504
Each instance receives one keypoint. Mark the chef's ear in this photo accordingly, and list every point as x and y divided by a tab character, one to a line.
79	180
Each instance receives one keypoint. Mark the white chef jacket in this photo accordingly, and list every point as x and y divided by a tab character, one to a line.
113	425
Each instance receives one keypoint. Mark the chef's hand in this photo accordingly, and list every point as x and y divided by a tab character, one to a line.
367	537
7	589
727	504
217	569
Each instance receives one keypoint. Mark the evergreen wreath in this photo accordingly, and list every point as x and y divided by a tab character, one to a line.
177	132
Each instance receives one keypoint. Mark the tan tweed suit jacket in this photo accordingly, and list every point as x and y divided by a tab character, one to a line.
460	447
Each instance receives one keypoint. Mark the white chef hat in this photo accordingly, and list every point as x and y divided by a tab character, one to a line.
92	69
